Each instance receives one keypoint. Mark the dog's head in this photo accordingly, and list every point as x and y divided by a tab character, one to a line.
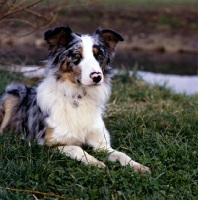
81	59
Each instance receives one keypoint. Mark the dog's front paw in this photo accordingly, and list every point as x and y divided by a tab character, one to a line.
100	164
140	168
125	160
94	161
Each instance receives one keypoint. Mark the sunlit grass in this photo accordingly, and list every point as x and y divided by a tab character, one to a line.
151	124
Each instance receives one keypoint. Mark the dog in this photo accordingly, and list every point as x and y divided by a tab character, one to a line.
66	109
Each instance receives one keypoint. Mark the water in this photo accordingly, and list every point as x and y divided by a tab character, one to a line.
166	63
178	84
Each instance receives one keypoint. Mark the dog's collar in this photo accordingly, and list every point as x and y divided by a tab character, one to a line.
75	99
81	96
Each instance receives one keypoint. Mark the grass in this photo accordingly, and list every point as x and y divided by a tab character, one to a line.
132	2
124	3
151	124
145	3
172	22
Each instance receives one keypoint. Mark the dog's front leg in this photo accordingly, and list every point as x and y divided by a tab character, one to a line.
77	153
101	141
125	160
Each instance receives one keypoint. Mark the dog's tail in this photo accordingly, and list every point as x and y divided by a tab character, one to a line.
13	95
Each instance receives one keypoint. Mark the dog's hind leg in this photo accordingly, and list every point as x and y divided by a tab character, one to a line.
79	154
7	111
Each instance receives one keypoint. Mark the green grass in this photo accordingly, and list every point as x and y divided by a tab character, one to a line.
151	124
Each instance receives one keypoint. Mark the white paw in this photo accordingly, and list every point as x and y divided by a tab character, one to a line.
95	162
125	160
100	164
141	169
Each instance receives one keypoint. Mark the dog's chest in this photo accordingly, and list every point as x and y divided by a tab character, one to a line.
74	118
76	100
81	112
71	113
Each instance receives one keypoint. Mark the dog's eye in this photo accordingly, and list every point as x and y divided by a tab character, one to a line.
100	57
76	56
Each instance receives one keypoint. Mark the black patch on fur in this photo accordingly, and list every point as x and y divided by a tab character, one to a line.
56	60
58	37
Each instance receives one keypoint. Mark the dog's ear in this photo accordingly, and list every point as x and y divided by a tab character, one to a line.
58	37
110	38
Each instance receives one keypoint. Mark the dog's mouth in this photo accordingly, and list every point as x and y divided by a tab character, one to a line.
79	83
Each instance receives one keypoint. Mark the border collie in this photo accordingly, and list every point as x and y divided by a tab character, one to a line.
66	109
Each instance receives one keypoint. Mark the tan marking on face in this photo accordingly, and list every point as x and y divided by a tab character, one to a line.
81	51
64	68
9	112
95	51
69	74
66	73
67	77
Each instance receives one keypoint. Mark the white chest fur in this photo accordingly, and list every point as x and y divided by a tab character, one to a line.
73	112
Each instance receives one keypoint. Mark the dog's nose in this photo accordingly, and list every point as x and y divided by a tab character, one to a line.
96	76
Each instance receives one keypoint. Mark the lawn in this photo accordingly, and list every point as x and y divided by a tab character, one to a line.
151	124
